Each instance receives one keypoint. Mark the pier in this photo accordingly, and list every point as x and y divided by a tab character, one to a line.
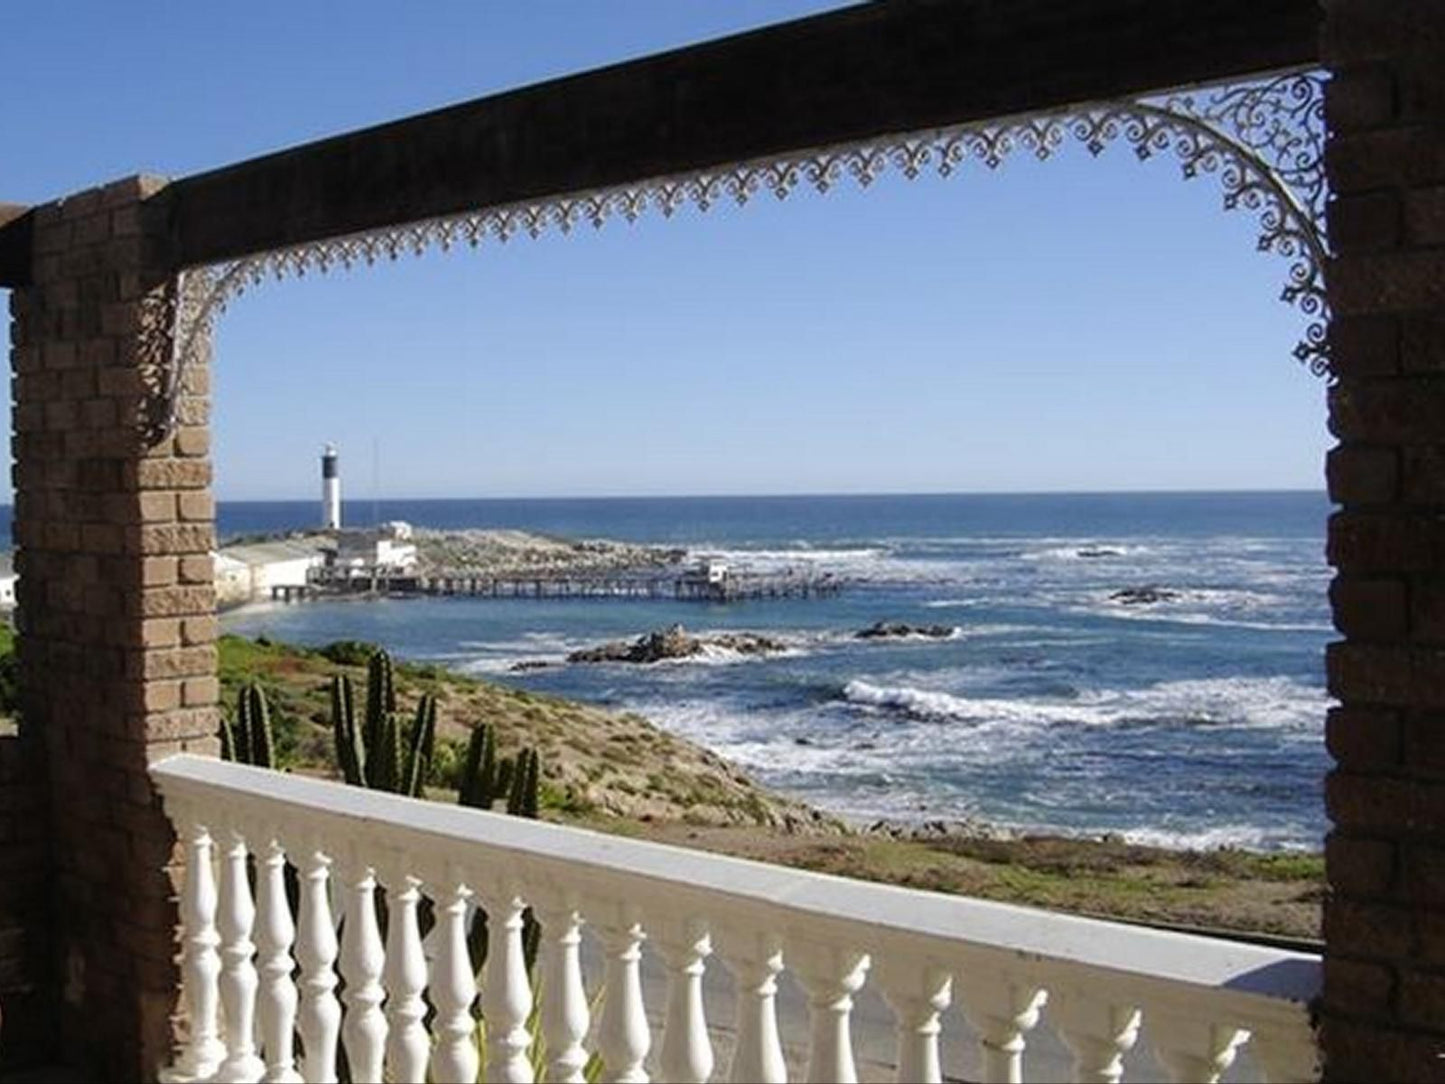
684	587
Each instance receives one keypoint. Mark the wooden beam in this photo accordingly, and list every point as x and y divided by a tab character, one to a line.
15	233
845	75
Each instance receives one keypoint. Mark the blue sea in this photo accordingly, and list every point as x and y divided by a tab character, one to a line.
1192	721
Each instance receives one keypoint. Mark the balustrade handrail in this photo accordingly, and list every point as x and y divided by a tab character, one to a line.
1264	982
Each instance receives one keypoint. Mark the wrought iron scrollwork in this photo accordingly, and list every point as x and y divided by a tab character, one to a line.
1263	140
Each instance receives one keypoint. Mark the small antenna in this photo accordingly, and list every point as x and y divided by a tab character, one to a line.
375	481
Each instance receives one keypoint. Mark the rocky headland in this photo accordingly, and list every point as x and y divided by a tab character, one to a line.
504	552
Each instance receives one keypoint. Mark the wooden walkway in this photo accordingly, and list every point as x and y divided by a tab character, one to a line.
684	588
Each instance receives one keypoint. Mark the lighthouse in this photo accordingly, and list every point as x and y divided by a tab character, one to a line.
330	490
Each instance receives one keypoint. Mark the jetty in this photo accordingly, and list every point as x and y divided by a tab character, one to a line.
692	585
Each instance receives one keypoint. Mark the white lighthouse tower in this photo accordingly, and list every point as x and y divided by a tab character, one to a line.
330	490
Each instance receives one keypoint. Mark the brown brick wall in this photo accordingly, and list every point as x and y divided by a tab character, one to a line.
1384	1001
102	526
27	1002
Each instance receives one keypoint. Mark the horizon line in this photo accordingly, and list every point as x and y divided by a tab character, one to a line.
1202	491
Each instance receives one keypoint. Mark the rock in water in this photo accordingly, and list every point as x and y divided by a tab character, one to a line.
1143	596
675	643
887	630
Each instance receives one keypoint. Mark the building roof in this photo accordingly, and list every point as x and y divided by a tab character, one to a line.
274	552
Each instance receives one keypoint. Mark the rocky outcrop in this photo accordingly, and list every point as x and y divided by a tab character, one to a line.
674	642
1143	596
895	630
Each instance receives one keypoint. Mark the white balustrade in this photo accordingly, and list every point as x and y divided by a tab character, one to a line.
755	959
239	981
277	1000
319	1020
687	1055
453	987
1001	1009
917	991
407	1043
1197	1000
565	1013
623	1037
362	959
1191	1049
201	964
506	994
831	974
1097	1029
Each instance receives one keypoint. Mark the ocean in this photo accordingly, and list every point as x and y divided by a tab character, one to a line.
1196	720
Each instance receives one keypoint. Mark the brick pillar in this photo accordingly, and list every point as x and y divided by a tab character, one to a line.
117	609
1384	1003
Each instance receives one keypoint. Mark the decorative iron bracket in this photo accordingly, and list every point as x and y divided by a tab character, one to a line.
1264	140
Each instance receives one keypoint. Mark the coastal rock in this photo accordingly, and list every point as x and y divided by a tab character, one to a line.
890	630
1098	551
1143	596
675	643
529	664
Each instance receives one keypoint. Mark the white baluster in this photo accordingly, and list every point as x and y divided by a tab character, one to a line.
1288	1055
201	967
565	1015
276	1003
623	1039
238	973
755	960
506	994
1000	1008
1191	1049
916	992
1097	1030
362	958
320	1017
831	975
407	1044
686	1054
453	989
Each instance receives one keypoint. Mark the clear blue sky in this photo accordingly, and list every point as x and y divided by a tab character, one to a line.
1073	325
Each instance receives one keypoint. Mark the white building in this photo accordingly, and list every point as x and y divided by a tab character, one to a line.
7	581
249	571
387	548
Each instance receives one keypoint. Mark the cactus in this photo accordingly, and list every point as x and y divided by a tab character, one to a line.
248	740
350	751
419	749
478	784
228	740
379	752
262	744
522	797
380	699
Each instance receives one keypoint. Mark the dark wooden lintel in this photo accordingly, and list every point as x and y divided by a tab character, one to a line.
16	229
846	75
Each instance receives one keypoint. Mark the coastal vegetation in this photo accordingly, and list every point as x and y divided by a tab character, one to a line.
617	772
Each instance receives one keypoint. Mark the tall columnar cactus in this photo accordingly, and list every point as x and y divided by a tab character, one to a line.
478	784
526	784
380	698
420	748
249	740
485	779
350	747
379	751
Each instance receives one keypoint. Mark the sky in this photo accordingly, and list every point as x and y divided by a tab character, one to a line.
1075	325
